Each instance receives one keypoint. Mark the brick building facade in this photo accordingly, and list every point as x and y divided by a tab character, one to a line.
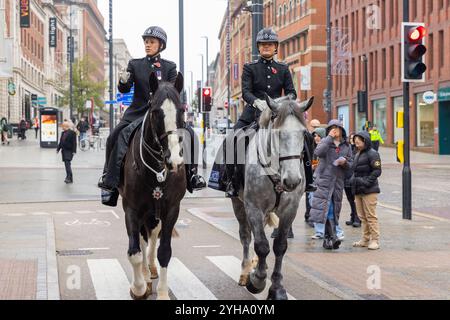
375	32
300	25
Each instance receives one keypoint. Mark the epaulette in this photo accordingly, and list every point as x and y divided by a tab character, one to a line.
252	62
281	63
168	61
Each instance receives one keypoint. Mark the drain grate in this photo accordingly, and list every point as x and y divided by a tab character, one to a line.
73	252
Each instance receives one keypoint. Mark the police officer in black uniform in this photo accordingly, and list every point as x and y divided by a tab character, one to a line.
138	74
264	75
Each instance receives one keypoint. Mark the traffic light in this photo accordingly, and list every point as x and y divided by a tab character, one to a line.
413	49
207	99
362	101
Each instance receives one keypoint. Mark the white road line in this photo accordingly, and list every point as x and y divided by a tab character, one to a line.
109	279
61	212
109	211
14	214
231	266
213	246
184	284
83	211
93	249
40	213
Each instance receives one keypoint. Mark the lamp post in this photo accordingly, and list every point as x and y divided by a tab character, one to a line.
329	79
111	95
364	59
203	117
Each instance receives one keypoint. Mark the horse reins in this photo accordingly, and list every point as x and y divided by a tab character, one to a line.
158	155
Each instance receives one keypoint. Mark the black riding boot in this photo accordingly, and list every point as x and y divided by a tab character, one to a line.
307	162
195	181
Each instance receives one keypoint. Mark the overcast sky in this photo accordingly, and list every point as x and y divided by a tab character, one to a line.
201	18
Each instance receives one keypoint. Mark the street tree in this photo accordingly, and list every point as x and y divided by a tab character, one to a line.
85	87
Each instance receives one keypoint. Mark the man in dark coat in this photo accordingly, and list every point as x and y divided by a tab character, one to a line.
68	145
261	77
138	75
364	182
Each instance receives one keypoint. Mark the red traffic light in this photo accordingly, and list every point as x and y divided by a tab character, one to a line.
417	33
206	92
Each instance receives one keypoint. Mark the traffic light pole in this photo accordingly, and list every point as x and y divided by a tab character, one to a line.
111	61
329	79
406	174
257	25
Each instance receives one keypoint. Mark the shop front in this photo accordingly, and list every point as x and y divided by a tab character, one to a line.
380	116
425	122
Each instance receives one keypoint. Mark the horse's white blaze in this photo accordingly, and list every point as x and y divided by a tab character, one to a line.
138	283
170	123
163	289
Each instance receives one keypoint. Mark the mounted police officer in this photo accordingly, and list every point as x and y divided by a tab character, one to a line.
265	75
138	75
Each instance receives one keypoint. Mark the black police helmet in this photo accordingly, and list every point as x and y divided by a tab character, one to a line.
158	33
267	35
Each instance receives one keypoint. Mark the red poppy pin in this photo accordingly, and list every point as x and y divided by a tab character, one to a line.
274	71
157	64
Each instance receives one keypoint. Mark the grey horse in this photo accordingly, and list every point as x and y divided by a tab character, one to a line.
274	184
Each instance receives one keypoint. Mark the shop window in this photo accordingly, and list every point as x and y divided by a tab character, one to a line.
425	122
380	116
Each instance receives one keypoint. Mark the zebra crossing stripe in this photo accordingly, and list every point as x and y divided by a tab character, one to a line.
231	266
109	279
184	284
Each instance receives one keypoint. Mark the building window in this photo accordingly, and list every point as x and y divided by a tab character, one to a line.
431	52
360	119
343	117
391	57
379	116
425	122
383	63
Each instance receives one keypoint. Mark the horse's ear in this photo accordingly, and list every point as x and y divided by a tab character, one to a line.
305	105
179	82
154	82
273	105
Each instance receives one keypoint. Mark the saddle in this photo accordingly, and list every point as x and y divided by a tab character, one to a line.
218	177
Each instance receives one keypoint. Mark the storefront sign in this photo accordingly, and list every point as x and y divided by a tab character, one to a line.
52	32
24	13
429	97
444	94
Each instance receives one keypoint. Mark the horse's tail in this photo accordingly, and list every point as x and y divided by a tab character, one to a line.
272	219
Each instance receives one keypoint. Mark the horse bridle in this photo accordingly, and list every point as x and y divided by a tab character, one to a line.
274	176
158	155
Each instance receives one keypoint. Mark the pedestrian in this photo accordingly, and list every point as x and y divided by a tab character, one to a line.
335	158
354	219
36	126
364	181
4	128
319	228
22	129
375	137
68	145
318	134
137	75
83	127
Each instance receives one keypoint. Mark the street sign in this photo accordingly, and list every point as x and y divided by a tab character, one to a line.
429	97
11	88
111	102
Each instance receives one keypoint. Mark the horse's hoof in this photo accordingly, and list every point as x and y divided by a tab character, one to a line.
147	293
279	294
243	280
255	289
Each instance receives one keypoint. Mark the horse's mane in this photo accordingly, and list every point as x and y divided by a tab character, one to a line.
287	108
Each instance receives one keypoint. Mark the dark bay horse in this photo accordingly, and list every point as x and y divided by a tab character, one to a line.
152	186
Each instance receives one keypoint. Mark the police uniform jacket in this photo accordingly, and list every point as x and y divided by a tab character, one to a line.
140	70
264	76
